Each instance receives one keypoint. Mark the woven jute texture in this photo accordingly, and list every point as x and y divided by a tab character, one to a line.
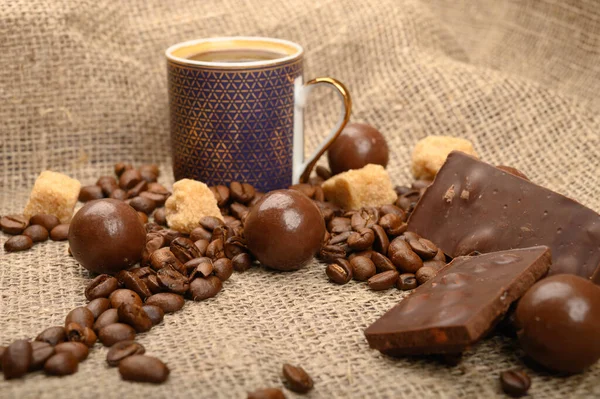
83	85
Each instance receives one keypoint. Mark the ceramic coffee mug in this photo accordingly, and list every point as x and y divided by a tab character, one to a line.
236	106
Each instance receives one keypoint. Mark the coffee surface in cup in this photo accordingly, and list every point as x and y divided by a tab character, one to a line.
236	55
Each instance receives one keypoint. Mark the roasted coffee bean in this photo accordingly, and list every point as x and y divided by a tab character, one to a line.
361	239
392	224
228	220
173	281
382	262
209	223
241	192
13	224
409	200
234	246
167	301
121	296
266	393
338	225
47	221
60	232
424	274
327	210
134	283
383	281
184	249
142	368
155	313
339	272
160	216
239	211
169	235
221	233
52	335
116	332
154	241
403	257
200	267
341	238
36	232
158	199
143	217
119	194
153	284
330	253
40	352
163	257
80	315
143	204
323	172
410	235
137	189
319	194
241	262
392	209
381	242
200	233
424	248
223	268
362	268
204	288
108	184
18	243
121	167
158	188
61	364
98	306
101	287
77	349
77	333
123	349
152	227
135	316
434	264
202	245
304	188
221	194
90	193
215	250
407	281
296	379
515	383
16	359
129	179
366	217
149	172
107	317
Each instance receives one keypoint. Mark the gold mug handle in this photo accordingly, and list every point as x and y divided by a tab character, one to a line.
305	166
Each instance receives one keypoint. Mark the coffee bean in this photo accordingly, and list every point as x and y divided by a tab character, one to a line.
392	224
424	248
266	393
329	253
118	194
108	317
407	281
361	239
424	274
204	288
52	335
108	184
200	267
136	190
403	257
241	262
60	232
221	194
239	211
382	262
440	256
319	194
121	350
16	359
79	350
143	204
383	281
163	257
170	235
184	249
167	301
515	383
420	184
173	281
339	272
215	249
410	235
323	172
18	243
241	192
223	268
381	242
98	306
158	199
340	239
36	232
210	223
121	167
77	333
116	332
47	221
221	233
160	216
392	209
154	241
296	379
129	179
155	313
13	224
149	172
304	188
40	352
90	193
134	283
101	287
153	284
362	268
234	246
434	264
135	316
142	368
121	296
61	364
365	218
200	233
366	253
80	315
157	188
338	225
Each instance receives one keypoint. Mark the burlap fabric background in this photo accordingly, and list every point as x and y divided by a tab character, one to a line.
82	85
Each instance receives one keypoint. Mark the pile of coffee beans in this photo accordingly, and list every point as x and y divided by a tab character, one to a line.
26	232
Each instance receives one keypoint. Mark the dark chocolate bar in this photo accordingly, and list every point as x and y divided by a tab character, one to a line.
473	206
457	307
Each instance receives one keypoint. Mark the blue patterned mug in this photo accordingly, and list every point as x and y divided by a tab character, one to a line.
236	106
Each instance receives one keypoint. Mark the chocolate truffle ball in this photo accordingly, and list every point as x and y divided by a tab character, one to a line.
358	145
106	236
284	230
558	323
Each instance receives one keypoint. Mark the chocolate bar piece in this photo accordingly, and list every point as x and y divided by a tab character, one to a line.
457	307
473	206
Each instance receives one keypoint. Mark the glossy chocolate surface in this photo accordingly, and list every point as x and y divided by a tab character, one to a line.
284	230
558	323
359	144
473	206
106	236
457	307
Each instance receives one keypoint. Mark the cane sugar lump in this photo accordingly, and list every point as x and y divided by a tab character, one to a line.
191	201
358	188
53	194
431	152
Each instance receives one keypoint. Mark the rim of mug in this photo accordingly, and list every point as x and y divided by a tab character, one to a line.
299	51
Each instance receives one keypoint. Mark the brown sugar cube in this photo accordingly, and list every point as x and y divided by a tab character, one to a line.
53	194
358	188
191	201
431	152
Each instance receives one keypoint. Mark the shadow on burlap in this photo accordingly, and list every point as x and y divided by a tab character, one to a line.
83	86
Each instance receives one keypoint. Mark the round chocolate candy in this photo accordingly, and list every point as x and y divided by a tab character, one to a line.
359	144
284	230
106	236
558	324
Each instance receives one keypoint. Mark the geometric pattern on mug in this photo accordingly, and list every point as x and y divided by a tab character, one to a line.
233	125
